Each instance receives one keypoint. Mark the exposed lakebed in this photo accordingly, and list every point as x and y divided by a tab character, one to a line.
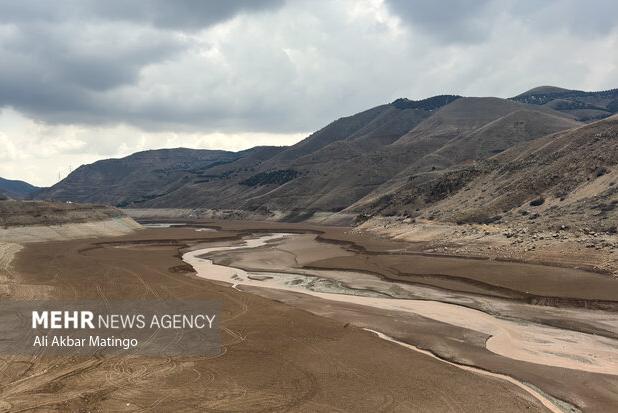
512	338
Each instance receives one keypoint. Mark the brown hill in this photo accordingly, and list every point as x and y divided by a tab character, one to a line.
220	179
336	175
461	133
568	178
583	106
16	189
499	135
136	178
407	157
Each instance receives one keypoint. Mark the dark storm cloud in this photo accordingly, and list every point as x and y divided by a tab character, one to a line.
57	59
597	17
456	21
176	14
281	66
472	21
49	69
179	14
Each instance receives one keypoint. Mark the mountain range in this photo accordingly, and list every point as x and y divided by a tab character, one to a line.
16	189
468	159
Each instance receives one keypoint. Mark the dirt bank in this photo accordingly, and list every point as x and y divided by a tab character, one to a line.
563	246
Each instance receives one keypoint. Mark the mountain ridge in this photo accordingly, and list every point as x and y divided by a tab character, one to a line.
366	163
582	105
16	189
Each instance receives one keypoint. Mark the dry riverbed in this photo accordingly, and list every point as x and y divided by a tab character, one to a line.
293	329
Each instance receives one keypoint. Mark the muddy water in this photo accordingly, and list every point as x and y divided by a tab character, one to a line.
524	341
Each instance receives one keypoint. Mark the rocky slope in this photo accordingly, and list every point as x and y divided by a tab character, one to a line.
563	179
347	165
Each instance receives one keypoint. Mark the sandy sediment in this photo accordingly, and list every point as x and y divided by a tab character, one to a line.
552	405
566	247
7	252
522	341
570	346
38	233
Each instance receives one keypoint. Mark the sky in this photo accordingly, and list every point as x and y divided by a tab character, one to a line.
82	80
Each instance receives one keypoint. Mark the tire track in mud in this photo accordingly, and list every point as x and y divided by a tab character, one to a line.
123	375
245	403
237	337
24	381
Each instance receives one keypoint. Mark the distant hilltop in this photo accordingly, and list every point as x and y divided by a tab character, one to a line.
408	158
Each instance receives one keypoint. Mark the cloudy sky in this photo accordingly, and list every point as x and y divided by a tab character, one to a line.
86	79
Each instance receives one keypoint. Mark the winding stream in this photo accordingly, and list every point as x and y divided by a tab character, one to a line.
534	343
524	341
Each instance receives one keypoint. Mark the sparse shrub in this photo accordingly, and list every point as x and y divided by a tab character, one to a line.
561	194
600	171
360	218
537	202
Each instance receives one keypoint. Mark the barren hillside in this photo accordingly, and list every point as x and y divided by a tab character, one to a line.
347	165
563	179
446	158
